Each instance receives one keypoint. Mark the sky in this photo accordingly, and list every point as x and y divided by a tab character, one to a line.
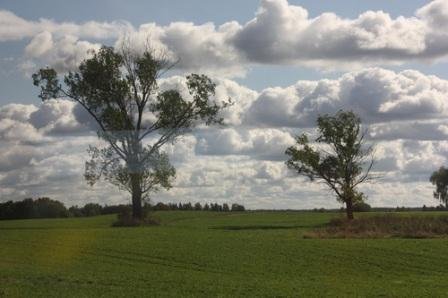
282	62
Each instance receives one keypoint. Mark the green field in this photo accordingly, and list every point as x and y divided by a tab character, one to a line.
212	254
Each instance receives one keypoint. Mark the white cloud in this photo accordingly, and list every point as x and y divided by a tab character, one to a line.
16	157
39	45
267	144
411	130
15	131
63	54
57	116
18	112
243	162
376	94
280	33
435	14
13	27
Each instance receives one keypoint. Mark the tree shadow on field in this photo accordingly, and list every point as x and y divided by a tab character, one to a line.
263	227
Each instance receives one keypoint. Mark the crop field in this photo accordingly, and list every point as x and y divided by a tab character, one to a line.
212	254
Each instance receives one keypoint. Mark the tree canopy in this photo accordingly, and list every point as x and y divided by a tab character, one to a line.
339	156
439	178
119	90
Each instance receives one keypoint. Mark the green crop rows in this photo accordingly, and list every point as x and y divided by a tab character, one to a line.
212	254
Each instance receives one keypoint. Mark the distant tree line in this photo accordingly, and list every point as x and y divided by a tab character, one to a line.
29	208
198	207
47	208
93	209
367	208
437	208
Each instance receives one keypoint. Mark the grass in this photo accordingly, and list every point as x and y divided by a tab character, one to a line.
193	254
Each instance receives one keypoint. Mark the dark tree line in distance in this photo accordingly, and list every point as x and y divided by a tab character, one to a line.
198	207
47	208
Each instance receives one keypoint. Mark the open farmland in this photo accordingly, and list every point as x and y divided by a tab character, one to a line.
212	254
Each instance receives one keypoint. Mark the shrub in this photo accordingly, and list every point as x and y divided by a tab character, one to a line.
237	207
161	207
385	226
125	219
361	207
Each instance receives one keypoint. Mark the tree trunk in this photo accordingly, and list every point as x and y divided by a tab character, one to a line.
137	212
349	209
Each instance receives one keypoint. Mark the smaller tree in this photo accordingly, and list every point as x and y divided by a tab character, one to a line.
237	207
198	206
92	209
361	206
339	158
188	206
439	178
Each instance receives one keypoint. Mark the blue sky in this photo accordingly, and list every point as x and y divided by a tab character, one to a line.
282	62
197	11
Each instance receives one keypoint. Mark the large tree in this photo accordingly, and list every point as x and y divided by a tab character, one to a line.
439	178
339	157
119	90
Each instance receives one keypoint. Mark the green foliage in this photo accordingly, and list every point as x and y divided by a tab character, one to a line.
155	171
439	178
261	254
120	92
338	158
29	208
197	207
237	207
125	219
92	209
361	206
50	88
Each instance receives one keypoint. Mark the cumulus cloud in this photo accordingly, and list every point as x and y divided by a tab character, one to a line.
44	146
240	96
28	124
63	54
57	117
14	125
284	33
280	33
13	27
201	48
410	130
267	144
376	94
17	157
435	14
40	44
18	112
